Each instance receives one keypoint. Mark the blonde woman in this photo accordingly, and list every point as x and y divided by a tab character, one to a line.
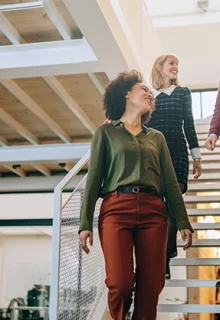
173	117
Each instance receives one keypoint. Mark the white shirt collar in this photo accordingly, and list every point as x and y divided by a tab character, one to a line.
168	91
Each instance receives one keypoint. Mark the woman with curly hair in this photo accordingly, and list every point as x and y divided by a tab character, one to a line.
131	169
173	117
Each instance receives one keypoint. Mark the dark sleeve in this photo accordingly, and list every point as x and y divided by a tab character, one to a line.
215	122
173	194
94	180
189	127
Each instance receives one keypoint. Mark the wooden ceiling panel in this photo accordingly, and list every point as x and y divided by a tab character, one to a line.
33	25
19	112
65	13
4	40
9	134
45	97
82	89
103	78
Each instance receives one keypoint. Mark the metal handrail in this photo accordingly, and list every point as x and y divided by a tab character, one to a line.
56	232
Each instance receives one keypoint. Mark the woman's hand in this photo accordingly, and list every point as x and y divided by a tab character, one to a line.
107	121
197	169
186	235
83	236
210	143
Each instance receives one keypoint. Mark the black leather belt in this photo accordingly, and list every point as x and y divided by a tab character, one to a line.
136	190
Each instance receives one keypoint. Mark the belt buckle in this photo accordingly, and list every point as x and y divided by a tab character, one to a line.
135	190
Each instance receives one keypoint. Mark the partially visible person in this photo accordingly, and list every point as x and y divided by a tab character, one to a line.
130	167
173	117
214	130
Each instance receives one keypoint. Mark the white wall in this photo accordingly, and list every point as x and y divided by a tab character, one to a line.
27	206
24	261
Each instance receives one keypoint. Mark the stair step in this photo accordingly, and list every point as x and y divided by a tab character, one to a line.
199	187
204	151
189	308
201	199
206	176
201	243
202	136
206	226
208	166
203	212
211	157
195	262
202	127
191	283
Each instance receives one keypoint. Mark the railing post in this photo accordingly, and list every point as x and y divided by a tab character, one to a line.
54	291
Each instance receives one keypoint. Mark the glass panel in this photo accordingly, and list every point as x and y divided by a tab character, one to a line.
196	106
208	103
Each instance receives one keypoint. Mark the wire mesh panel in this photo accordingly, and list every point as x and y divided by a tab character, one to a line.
82	293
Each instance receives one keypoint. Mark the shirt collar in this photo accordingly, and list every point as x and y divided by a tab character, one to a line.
119	122
116	122
168	91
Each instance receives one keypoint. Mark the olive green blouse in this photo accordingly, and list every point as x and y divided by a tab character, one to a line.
119	158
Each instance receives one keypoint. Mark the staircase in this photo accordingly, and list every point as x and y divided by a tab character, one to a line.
202	201
78	291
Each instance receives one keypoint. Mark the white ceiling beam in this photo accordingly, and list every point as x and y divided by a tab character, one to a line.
18	171
48	58
22	6
14	124
56	153
45	171
35	184
34	107
4	116
98	33
96	81
9	31
3	142
70	102
67	167
58	20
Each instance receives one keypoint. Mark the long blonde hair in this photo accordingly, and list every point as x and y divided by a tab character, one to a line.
156	78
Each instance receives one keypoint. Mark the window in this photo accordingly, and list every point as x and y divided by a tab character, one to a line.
208	103
196	105
203	103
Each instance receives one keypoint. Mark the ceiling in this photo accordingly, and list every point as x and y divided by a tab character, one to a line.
190	32
56	57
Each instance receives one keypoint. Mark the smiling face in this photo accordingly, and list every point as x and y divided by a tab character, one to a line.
169	69
141	97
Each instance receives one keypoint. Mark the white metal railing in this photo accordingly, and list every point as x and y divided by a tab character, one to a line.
77	282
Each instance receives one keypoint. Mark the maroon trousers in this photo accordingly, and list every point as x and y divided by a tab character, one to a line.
130	222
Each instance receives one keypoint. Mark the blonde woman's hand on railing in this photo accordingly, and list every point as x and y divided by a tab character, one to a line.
83	237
